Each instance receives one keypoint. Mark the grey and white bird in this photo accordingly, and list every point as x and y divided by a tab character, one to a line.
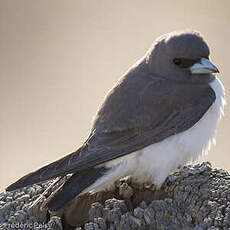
161	114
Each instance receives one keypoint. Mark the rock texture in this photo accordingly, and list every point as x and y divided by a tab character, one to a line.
195	197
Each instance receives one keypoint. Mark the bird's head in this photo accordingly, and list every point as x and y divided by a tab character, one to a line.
181	56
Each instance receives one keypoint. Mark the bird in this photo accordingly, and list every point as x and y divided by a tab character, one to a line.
162	113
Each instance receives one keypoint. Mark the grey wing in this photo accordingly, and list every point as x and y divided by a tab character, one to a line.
106	146
181	113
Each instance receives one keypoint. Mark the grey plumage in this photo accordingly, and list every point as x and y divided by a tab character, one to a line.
155	99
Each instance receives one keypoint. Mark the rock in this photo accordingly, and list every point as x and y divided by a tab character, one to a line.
125	191
54	223
194	197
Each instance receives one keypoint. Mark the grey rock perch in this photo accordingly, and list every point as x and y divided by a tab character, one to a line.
195	197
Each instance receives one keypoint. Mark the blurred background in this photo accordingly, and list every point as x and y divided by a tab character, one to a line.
58	59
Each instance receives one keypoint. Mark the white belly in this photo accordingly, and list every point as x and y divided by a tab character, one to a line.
155	162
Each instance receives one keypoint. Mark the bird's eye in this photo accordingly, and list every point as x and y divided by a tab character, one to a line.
184	62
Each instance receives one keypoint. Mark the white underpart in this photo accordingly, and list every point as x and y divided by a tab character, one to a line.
155	162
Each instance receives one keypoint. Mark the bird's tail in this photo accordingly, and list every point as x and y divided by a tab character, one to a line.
74	186
44	194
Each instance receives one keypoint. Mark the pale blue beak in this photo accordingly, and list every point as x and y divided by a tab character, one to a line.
203	67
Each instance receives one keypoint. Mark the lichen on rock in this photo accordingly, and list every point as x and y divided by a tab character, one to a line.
194	197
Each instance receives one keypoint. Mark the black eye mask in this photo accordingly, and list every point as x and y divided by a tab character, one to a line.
184	62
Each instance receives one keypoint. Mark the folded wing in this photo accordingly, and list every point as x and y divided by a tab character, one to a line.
155	113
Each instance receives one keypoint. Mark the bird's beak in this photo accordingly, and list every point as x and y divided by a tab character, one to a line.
203	67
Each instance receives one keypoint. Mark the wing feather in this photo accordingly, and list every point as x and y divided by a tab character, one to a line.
156	113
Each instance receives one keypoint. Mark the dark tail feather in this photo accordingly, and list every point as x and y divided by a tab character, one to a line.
50	171
73	187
